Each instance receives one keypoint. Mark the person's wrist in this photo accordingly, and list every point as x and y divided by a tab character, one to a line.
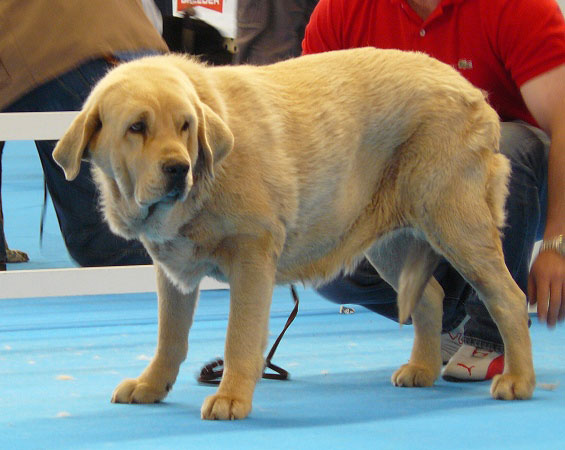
555	244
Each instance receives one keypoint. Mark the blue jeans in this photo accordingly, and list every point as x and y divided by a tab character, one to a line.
87	237
527	148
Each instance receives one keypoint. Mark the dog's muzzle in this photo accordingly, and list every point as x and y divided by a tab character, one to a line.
176	179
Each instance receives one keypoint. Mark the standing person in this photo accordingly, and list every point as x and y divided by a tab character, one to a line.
7	255
269	31
52	52
515	51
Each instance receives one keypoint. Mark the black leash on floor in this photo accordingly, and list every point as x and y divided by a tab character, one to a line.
212	373
43	212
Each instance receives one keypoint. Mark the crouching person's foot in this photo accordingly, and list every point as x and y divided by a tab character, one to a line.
470	363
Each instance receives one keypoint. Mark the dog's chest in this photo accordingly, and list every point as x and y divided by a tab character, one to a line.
182	260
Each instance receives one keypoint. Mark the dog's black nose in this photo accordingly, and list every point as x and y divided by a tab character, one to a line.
176	177
176	170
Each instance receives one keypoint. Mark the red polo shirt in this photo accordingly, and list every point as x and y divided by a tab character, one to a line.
497	45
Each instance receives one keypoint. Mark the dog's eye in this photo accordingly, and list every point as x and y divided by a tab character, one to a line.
184	127
138	127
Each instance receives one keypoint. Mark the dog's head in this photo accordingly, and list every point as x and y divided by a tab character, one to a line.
149	137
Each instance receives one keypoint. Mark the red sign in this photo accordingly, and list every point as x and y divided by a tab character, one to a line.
216	5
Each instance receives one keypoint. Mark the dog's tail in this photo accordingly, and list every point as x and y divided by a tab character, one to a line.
497	187
419	265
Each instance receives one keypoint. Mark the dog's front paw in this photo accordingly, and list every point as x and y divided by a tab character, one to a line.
512	387
136	391
411	375
224	407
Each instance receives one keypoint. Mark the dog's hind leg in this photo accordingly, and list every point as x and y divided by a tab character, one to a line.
473	247
407	262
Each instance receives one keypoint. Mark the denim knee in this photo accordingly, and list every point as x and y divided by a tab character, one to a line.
527	148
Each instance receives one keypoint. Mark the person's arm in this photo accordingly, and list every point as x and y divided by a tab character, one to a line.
544	96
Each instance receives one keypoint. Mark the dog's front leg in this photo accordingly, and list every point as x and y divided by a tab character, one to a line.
176	312
251	290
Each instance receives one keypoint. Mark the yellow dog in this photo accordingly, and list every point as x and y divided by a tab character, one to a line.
294	171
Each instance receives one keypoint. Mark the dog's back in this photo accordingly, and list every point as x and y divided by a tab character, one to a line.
333	129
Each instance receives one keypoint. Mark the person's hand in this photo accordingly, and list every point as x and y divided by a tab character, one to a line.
546	287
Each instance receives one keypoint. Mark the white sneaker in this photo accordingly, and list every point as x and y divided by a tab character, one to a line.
452	341
473	364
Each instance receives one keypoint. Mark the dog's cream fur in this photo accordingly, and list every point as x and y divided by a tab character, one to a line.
295	171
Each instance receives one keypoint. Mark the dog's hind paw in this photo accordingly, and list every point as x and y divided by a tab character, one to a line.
512	387
135	391
223	407
411	375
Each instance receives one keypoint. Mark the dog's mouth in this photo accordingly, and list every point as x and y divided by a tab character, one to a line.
174	195
168	201
151	210
161	197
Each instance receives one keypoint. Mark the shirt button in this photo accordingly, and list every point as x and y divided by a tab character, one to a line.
422	32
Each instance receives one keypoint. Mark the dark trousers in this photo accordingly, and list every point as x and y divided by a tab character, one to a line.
87	237
270	31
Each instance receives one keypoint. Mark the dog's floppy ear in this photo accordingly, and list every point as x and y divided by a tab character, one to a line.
214	137
71	148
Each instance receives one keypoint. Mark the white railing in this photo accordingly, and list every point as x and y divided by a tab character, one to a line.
34	126
72	281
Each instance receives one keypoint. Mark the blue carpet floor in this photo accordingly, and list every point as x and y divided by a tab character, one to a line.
60	359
